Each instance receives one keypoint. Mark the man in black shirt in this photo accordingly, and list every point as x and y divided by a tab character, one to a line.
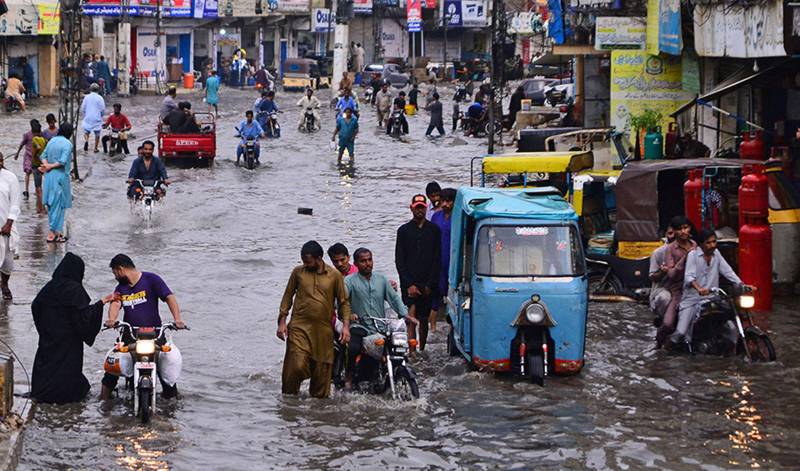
436	111
417	257
181	121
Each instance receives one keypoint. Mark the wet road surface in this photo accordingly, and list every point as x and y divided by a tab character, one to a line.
225	242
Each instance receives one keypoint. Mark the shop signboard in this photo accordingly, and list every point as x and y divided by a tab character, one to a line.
22	19
452	9
393	39
414	16
473	13
49	19
526	23
670	37
757	31
642	81
620	32
322	20
362	7
590	3
149	59
791	27
169	8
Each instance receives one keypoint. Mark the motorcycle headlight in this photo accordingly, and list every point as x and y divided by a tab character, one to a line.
145	347
534	313
747	302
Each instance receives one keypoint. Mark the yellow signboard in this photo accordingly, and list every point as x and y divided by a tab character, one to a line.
642	81
652	26
49	19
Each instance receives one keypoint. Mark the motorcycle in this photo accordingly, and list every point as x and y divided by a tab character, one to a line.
395	124
10	103
250	162
146	196
145	345
309	121
269	122
114	146
382	365
461	92
708	335
368	95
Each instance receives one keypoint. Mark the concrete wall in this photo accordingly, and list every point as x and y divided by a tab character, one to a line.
48	70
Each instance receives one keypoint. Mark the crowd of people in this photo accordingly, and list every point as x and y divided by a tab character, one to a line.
684	272
343	298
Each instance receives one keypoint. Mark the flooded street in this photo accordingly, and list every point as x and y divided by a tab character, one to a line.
225	242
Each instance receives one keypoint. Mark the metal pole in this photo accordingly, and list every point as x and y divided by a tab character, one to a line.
445	20
158	48
69	57
493	71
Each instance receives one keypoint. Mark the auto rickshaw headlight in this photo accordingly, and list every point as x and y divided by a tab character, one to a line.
747	302
534	313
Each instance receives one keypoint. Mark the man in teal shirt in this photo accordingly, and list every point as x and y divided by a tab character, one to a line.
368	292
347	129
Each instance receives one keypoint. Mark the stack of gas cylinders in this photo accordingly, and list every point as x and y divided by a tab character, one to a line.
755	235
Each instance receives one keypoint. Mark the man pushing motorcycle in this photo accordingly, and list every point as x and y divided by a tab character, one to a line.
139	294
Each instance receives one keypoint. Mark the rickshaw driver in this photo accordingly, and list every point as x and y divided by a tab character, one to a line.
249	129
703	266
309	101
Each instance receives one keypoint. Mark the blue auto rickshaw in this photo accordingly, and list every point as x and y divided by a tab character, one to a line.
518	295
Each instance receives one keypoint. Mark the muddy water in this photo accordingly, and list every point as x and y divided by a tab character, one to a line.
225	242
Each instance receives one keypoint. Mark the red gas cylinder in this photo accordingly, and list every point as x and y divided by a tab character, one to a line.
670	141
755	262
752	147
753	195
693	198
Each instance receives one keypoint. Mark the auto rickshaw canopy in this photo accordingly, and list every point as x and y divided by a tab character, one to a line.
539	162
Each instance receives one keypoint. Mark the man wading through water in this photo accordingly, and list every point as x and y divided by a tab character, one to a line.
315	290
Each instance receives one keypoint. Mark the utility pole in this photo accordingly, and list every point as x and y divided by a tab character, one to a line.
124	50
157	44
70	38
445	21
498	31
341	36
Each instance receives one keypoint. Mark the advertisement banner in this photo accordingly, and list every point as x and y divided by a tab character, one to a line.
670	38
473	13
394	39
169	8
206	8
149	60
322	21
653	23
362	7
452	10
49	18
791	28
414	16
642	81
247	8
620	32
757	31
22	19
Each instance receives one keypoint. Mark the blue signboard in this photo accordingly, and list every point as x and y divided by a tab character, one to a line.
183	9
670	39
452	11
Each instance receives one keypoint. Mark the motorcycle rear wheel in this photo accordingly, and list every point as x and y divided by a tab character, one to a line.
145	398
405	385
610	286
759	345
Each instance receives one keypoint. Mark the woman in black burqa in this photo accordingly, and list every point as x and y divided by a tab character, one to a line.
65	320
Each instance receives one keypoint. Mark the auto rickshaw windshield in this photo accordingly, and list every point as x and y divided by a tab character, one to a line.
528	251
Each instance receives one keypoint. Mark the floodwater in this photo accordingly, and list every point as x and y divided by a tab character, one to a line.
226	240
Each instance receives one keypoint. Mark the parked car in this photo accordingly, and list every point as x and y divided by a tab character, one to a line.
557	94
535	88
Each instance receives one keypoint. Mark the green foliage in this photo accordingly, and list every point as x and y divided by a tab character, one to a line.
647	120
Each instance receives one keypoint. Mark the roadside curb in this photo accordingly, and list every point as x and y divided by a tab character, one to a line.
11	444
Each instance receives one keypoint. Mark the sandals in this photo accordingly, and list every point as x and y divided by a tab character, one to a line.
58	240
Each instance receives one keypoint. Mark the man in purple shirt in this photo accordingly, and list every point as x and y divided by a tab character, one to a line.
441	218
140	293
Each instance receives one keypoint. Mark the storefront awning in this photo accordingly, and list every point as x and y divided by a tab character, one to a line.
738	79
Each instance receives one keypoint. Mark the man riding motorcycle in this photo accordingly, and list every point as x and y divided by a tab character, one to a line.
147	167
119	123
249	129
704	264
368	292
476	115
346	101
399	107
139	295
309	102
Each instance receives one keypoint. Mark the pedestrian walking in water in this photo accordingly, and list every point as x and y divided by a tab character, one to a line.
92	108
437	113
347	129
9	212
417	257
212	92
441	219
313	292
57	191
27	160
65	320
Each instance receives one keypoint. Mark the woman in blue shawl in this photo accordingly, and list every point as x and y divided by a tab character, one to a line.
57	190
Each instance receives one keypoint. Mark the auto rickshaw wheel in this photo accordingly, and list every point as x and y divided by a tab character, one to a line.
535	361
602	283
452	349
